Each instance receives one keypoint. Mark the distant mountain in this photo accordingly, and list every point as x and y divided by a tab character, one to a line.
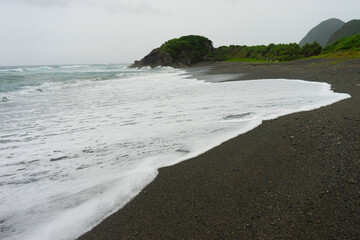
322	32
347	30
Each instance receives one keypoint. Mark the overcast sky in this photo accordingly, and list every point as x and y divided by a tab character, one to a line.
37	32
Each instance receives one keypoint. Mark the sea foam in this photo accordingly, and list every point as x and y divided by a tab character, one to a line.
79	150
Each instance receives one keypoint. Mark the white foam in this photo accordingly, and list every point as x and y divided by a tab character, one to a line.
71	66
12	70
39	68
79	151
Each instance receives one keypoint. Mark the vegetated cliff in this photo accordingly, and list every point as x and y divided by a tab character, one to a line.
322	32
351	43
348	29
271	52
179	52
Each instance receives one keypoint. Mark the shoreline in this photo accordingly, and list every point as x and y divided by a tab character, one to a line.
295	177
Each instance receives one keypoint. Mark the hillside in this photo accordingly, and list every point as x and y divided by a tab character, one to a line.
322	32
344	44
347	30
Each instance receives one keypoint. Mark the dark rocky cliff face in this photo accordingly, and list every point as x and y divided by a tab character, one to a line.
180	52
154	58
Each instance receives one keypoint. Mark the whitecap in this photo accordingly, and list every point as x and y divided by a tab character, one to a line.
12	70
39	68
71	66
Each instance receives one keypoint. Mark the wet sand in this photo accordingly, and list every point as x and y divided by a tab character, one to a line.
295	177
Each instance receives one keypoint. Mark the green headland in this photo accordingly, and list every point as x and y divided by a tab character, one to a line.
187	50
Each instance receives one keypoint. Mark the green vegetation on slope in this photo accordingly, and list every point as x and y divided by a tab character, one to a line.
349	43
345	48
272	52
193	48
348	29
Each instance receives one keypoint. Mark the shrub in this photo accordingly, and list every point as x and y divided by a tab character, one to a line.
196	48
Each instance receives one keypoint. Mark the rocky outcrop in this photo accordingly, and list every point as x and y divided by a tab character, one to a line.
154	58
181	52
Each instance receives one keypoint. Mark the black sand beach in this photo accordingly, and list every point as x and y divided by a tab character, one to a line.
296	177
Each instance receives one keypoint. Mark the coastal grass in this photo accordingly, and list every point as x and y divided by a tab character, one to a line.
252	60
350	54
338	56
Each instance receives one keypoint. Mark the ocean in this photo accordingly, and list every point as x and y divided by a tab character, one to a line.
77	142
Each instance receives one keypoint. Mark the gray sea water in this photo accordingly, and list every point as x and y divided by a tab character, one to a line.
78	142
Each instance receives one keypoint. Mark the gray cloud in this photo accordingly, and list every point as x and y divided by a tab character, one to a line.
40	3
98	31
138	8
114	6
